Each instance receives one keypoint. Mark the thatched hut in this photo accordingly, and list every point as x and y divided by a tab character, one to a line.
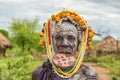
4	44
106	46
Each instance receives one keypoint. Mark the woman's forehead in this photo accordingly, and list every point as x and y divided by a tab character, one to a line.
67	27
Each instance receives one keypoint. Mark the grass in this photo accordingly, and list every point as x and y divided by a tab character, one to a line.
111	62
94	42
18	67
19	64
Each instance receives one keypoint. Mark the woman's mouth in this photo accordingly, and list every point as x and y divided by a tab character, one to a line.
64	60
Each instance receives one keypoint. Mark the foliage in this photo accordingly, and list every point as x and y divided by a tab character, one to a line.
23	33
94	42
18	67
4	32
111	62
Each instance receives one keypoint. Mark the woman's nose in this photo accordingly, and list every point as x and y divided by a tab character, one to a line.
65	43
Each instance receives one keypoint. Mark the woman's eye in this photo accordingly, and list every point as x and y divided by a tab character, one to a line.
59	38
71	38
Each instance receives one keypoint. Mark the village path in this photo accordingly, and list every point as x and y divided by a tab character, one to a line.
102	72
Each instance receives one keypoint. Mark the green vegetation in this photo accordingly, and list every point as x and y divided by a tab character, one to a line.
4	32
19	62
111	62
94	42
18	67
24	34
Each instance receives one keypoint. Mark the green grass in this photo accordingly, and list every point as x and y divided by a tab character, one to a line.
110	62
21	67
94	42
18	67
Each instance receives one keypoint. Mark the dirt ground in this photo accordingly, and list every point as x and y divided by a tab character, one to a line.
102	72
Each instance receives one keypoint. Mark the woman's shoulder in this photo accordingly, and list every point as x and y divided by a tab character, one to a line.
36	72
85	73
88	72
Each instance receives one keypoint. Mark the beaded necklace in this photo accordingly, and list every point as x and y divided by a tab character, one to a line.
78	63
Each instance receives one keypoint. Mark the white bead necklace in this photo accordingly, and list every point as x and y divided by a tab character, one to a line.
62	76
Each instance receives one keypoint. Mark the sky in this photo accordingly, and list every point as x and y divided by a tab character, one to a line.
102	15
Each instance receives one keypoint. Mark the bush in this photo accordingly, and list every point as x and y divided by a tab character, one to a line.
18	67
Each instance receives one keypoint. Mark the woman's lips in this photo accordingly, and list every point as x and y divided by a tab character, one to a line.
63	60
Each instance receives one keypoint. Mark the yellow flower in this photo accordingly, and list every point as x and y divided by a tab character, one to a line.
73	16
57	19
62	15
77	18
86	47
58	15
89	39
82	22
89	43
41	34
67	14
90	34
53	17
42	42
90	47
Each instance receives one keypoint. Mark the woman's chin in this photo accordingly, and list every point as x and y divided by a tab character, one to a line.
63	60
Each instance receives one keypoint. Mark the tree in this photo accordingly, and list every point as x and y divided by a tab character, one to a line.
23	32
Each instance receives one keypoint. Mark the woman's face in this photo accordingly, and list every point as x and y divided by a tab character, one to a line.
65	39
65	43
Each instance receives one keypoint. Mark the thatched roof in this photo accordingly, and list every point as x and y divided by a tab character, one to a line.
4	42
107	45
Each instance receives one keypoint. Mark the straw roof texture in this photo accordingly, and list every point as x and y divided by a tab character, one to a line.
4	42
106	46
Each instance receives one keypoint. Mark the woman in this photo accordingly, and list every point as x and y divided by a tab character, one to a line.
66	37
